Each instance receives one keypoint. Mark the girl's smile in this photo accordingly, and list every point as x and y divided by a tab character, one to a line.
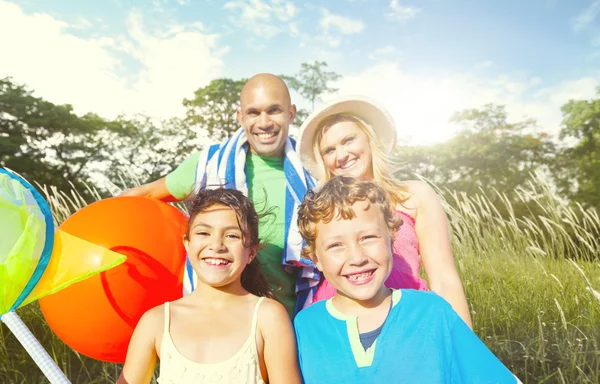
215	246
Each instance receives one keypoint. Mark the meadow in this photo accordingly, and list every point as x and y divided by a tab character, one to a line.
533	286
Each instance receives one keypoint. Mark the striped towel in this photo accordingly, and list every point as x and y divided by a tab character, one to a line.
224	165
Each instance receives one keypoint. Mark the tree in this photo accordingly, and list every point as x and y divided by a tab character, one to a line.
489	154
48	143
147	148
312	81
214	107
578	171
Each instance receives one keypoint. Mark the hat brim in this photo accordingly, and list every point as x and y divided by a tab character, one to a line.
362	107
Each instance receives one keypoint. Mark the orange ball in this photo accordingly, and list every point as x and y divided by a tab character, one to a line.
97	316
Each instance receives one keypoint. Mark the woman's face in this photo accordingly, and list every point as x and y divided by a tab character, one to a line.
346	151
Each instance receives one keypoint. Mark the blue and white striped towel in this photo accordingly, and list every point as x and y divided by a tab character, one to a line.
224	165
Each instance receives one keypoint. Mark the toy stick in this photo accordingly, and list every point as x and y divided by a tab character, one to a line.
34	348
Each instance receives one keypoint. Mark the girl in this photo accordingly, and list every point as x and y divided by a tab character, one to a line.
353	136
227	330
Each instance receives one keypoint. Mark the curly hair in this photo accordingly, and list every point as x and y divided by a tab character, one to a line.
252	278
335	199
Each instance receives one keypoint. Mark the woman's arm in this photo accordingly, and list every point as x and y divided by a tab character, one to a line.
141	353
431	225
281	355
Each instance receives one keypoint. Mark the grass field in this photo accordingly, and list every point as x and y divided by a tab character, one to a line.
538	311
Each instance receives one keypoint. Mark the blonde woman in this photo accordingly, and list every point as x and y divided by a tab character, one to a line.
353	136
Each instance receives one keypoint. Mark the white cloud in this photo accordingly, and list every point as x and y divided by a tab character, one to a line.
587	16
82	23
382	52
343	25
484	65
422	103
90	74
263	19
399	12
294	30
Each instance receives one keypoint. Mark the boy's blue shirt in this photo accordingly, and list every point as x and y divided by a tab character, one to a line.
422	341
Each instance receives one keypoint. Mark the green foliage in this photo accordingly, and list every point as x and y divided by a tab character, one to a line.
48	143
149	148
312	81
489	154
301	115
578	168
214	107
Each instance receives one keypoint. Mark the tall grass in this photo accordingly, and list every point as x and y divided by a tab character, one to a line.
538	311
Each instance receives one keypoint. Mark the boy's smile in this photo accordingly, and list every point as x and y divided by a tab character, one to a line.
355	255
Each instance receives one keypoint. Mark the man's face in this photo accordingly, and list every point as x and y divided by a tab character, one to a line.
265	114
355	255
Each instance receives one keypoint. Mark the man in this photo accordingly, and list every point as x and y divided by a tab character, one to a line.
260	157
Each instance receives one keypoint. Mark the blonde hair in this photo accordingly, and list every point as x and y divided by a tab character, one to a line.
335	199
380	161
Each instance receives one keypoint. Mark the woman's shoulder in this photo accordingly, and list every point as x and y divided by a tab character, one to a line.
419	193
416	186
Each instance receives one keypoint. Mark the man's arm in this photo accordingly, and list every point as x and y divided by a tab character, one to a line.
176	186
154	190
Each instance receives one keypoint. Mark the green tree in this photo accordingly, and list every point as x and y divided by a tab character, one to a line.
578	171
148	148
48	143
489	154
214	107
312	81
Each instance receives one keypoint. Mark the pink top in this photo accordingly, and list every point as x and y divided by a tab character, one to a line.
407	262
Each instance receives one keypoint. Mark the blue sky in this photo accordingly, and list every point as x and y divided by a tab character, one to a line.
423	59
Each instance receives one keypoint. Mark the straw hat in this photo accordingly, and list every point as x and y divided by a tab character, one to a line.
366	109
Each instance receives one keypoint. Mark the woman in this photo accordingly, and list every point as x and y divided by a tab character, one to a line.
353	136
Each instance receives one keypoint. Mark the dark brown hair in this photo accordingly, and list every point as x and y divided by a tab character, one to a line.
252	278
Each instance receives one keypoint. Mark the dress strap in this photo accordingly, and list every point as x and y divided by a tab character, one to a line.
255	317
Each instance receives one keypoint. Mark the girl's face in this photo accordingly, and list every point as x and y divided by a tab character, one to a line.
346	151
216	248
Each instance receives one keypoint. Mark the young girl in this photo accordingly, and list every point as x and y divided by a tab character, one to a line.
225	331
353	136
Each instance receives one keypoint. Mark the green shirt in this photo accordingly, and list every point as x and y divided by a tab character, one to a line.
266	190
180	182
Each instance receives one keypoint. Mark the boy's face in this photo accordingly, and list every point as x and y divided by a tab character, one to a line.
355	255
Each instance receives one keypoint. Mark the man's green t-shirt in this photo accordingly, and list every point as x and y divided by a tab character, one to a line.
266	189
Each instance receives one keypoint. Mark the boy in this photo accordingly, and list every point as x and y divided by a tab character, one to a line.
368	333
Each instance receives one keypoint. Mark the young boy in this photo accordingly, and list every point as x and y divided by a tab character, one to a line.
368	333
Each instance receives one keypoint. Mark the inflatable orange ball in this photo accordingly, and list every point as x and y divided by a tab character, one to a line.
97	316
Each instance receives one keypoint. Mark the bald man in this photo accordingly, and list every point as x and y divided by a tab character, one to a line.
274	180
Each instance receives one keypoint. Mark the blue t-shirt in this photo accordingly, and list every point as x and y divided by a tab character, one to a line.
422	341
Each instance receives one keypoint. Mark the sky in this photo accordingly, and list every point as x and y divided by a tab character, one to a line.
423	60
